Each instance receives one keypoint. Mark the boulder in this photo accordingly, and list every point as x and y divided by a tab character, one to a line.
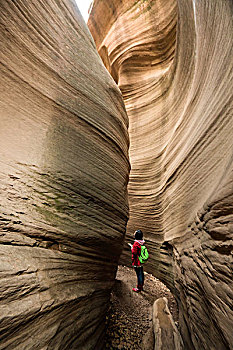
166	334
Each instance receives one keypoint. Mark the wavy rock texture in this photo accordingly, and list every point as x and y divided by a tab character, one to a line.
173	63
63	177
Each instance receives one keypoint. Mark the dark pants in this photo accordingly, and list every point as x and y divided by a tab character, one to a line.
140	275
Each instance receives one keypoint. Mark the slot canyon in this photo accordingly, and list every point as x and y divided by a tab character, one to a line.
119	124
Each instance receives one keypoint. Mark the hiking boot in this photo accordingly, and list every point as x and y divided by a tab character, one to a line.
140	287
137	290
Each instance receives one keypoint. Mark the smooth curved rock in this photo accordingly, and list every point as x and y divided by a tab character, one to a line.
63	176
173	63
166	334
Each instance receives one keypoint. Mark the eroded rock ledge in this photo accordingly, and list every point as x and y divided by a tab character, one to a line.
63	176
173	63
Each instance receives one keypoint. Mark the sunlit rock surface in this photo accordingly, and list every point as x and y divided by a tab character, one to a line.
173	63
63	176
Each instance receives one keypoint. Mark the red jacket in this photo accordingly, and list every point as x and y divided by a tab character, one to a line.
136	252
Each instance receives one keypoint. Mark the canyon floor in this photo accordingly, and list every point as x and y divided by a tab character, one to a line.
130	314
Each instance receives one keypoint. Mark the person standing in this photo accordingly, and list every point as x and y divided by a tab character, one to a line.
136	252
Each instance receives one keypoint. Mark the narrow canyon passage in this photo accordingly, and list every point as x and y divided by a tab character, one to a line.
120	124
172	60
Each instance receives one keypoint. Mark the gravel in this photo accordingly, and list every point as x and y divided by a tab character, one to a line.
130	314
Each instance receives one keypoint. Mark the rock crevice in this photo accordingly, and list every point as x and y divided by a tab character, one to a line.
173	63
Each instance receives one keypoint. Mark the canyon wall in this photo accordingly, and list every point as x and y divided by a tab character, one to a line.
173	63
63	179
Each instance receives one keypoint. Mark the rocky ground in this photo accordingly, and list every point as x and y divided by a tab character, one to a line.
130	316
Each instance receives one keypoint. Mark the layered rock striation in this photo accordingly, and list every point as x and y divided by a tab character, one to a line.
173	63
63	179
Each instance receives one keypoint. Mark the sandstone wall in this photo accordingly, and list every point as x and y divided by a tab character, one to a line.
63	177
173	63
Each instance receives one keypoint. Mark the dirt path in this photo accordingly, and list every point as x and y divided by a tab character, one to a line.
129	315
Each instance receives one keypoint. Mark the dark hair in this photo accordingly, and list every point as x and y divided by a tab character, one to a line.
138	234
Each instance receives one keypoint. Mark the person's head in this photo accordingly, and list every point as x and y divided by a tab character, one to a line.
138	235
